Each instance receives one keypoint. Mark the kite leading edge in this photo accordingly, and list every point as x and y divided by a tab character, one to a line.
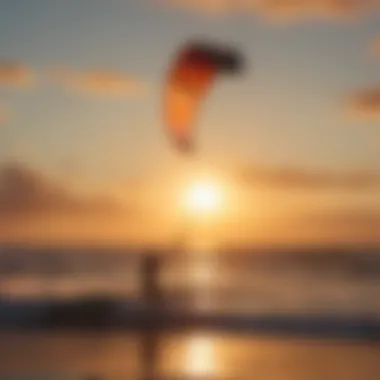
194	71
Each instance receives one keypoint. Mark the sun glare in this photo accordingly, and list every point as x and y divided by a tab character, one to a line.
203	197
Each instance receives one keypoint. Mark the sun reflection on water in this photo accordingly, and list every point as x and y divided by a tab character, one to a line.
201	358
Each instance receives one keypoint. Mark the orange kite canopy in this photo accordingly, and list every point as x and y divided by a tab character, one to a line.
190	78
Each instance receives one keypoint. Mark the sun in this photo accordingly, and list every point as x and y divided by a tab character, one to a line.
203	197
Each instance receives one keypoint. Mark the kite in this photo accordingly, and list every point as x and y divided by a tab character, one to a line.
190	79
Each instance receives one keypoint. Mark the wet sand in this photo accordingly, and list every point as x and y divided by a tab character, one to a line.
116	356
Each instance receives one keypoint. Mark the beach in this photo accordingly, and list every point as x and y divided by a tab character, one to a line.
194	355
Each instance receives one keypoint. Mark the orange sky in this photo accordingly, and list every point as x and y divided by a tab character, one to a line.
271	207
84	155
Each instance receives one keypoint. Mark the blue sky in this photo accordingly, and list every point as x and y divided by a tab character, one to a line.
288	109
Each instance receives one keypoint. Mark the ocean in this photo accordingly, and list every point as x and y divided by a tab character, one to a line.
317	283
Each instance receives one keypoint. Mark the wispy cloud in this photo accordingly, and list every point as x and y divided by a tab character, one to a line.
15	74
293	178
36	207
345	225
365	219
26	193
365	103
283	9
100	82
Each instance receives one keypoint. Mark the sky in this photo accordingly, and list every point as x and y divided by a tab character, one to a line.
82	139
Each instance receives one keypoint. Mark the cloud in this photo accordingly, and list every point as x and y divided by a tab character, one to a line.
208	6
365	219
35	208
293	178
101	82
365	103
346	225
15	75
27	194
280	9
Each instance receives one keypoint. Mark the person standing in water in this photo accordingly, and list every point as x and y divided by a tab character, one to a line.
152	298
